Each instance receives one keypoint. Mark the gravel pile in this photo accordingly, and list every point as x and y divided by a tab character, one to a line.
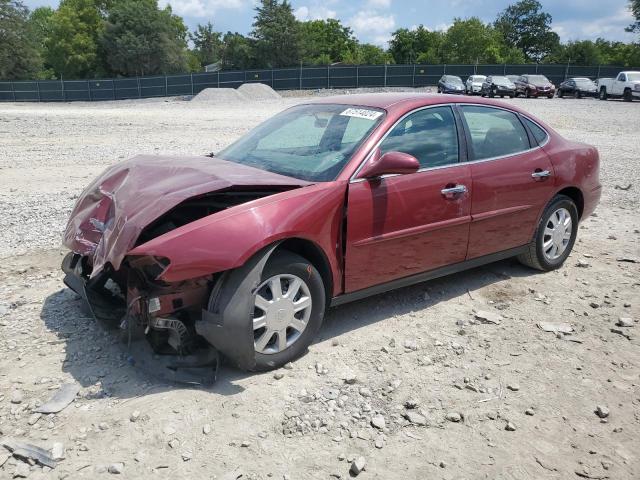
258	91
220	96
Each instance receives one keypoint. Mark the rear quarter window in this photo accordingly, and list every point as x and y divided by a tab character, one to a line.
539	134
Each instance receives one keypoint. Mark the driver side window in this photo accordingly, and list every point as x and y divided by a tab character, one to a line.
430	135
622	77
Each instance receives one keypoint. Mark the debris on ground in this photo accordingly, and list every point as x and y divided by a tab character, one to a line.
61	399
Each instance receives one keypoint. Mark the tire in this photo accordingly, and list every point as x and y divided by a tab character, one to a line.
535	256
577	94
527	93
550	95
627	95
559	94
492	93
602	95
284	263
513	95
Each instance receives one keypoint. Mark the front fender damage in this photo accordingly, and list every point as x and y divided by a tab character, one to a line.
226	323
174	332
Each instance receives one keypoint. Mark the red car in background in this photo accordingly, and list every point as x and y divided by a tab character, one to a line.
325	203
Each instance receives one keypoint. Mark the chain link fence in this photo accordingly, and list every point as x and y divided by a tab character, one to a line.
317	77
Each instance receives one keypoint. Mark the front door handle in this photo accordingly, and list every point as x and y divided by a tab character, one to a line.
452	192
540	174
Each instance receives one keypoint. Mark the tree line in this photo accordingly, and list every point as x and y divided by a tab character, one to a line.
97	38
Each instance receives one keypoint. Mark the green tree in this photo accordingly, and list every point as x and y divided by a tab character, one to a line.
207	44
72	46
19	56
325	41
471	41
367	54
237	52
40	24
277	34
527	27
141	39
634	6
417	45
583	52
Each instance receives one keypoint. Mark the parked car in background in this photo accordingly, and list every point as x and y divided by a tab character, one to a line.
513	78
497	85
626	85
450	84
473	85
578	87
534	86
325	203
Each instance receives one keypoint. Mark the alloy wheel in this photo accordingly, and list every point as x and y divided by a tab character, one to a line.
282	310
557	234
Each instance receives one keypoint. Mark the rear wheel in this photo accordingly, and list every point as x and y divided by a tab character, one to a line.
289	307
555	235
576	94
603	94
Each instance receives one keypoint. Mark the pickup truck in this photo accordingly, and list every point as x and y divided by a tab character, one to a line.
626	85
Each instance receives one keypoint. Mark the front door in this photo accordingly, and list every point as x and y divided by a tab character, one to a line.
511	180
402	225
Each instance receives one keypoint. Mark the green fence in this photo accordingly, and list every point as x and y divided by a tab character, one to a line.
318	77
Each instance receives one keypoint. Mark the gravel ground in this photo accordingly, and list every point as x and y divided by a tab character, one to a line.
417	382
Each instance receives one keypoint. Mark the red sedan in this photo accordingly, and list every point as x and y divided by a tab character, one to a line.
325	203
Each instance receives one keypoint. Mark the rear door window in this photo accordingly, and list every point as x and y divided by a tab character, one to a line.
539	134
494	132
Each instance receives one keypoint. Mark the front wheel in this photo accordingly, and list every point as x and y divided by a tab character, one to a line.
603	94
555	235
628	95
289	307
577	94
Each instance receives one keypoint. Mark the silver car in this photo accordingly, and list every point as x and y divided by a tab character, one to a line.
473	85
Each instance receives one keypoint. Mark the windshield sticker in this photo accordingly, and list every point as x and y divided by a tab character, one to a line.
361	113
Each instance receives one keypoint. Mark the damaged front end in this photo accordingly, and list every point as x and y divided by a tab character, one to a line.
134	204
157	320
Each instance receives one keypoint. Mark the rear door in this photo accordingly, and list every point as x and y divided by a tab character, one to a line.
402	225
511	180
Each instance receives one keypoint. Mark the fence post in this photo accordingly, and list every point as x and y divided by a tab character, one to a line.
385	74
504	69
328	75
89	90
13	91
64	97
272	79
536	67
413	77
444	71
139	89
191	76
357	76
166	86
598	75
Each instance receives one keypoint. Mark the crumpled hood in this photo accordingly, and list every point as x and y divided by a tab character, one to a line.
114	209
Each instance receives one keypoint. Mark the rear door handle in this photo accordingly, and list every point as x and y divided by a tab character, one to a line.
452	192
541	174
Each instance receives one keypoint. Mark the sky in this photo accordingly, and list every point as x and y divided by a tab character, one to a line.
373	21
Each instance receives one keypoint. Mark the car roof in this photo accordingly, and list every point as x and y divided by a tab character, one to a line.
406	100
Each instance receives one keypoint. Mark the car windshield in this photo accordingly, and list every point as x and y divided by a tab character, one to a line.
478	78
538	79
501	80
309	142
453	80
584	82
633	76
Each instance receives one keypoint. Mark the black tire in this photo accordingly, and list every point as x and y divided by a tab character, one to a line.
284	262
534	256
577	94
627	96
492	93
550	95
602	95
527	93
559	94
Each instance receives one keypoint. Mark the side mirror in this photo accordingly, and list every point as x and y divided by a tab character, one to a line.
390	163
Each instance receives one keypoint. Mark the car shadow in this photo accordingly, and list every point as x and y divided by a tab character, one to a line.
362	313
98	359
